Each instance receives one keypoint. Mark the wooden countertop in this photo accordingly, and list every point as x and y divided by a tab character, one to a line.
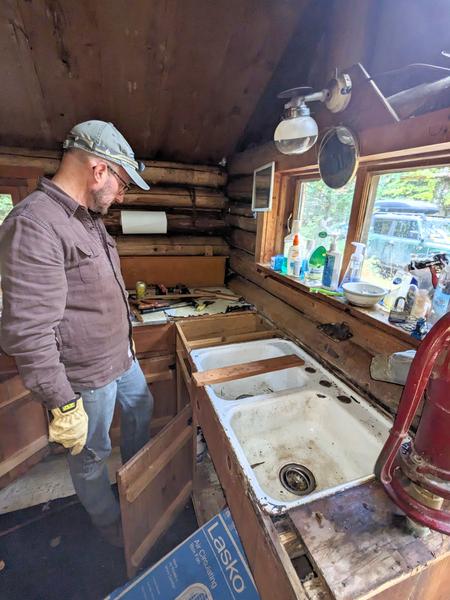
360	547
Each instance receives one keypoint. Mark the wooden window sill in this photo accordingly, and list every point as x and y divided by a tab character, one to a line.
374	316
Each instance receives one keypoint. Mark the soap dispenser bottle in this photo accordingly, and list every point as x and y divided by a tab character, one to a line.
332	268
353	271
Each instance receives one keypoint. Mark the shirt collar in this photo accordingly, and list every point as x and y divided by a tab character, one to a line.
58	195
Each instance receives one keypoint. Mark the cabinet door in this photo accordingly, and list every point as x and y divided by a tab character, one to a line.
154	486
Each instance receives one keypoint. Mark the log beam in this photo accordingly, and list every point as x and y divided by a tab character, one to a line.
155	172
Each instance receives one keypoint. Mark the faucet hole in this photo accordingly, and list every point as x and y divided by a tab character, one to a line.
344	399
325	383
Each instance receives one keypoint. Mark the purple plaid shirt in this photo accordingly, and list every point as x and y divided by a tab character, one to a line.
65	312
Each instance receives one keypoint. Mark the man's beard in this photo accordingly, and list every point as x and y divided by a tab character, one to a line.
102	199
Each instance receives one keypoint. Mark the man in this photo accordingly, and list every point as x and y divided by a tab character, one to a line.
65	312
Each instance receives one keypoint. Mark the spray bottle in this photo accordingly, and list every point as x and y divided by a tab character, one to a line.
294	254
353	271
288	241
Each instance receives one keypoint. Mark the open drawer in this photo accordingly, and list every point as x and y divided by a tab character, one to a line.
211	331
224	329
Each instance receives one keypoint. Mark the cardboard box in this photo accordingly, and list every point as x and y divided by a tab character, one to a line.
208	565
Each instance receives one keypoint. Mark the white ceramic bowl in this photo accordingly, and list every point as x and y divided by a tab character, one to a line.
363	294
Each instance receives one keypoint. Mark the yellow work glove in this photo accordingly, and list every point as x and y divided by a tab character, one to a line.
69	426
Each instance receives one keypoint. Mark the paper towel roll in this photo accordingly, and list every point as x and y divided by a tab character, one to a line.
143	221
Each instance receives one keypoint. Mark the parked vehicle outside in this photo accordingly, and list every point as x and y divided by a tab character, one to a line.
394	237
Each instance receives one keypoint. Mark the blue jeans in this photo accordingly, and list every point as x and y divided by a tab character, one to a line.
88	469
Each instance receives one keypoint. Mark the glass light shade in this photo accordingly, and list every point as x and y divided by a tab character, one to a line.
296	135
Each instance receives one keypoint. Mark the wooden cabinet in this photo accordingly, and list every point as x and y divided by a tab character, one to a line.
154	340
155	350
23	429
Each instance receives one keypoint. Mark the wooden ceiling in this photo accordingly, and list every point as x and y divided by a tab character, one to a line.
180	78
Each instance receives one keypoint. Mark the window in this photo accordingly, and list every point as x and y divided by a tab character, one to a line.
409	215
6	204
407	229
321	208
382	224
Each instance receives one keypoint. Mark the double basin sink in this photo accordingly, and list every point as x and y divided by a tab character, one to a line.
299	433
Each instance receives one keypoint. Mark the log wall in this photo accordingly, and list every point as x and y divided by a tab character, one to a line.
191	195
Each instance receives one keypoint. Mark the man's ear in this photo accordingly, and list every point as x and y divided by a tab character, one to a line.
99	171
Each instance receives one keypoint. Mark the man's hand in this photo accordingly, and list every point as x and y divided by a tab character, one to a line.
69	426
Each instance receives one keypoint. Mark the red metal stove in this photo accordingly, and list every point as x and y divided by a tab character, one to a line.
416	473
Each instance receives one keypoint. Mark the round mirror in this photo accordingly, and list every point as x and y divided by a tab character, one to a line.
338	156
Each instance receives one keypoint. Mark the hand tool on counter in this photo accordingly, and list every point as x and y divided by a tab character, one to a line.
216	294
210	295
239	307
202	304
137	314
178	289
161	306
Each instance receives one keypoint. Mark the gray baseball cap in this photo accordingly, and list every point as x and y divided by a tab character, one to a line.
104	140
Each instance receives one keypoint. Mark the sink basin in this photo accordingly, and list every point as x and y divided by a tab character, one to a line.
296	430
316	441
232	354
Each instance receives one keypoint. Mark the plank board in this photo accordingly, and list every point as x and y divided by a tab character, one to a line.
233	339
173	245
171	270
249	369
357	543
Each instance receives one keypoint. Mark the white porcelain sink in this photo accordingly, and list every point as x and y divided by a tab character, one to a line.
232	354
303	416
336	436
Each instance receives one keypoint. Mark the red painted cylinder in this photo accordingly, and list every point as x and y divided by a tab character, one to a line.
426	461
432	439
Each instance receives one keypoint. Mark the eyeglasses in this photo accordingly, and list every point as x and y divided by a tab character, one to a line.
125	186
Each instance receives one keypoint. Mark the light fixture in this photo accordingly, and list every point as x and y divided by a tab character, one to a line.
298	131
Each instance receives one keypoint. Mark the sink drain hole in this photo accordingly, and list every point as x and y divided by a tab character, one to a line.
297	479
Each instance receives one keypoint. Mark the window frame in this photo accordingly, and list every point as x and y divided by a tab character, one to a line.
271	226
18	182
